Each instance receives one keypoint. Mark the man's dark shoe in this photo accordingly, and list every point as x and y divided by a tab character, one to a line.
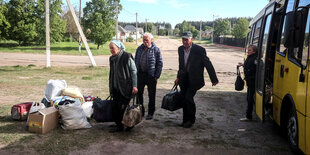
187	124
181	125
148	117
128	128
116	129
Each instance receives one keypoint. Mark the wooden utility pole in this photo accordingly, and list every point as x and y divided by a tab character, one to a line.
47	33
200	32
90	55
136	28
145	25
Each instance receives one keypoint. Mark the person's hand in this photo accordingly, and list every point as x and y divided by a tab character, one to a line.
176	81
156	79
134	90
214	83
240	64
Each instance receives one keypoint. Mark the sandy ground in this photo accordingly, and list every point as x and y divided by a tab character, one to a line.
217	129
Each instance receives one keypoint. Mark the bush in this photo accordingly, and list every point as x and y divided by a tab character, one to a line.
129	39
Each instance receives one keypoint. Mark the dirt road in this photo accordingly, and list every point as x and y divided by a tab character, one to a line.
217	129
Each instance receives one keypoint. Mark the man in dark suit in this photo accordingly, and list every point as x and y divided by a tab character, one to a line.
192	60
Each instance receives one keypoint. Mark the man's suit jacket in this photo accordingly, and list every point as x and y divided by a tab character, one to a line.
194	69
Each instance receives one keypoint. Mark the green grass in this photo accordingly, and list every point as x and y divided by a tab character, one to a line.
65	48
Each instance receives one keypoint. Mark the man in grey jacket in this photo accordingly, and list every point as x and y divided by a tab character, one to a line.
149	65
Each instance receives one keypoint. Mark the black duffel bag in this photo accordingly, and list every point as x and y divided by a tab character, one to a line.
173	100
239	84
103	110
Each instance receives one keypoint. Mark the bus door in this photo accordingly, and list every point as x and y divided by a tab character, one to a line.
261	63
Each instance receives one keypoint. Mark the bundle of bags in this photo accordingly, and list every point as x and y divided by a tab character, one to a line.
70	103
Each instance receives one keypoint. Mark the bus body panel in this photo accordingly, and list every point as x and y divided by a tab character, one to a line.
259	107
301	131
307	151
277	102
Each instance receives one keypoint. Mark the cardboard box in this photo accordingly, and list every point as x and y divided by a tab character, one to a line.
44	120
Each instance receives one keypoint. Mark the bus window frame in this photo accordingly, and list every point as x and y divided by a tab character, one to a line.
281	27
300	48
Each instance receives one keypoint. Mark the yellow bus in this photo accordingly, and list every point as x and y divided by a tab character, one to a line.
281	32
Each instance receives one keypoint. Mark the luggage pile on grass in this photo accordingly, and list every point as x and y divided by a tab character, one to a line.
61	105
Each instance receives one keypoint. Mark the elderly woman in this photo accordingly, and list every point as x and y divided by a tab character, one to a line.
122	81
249	67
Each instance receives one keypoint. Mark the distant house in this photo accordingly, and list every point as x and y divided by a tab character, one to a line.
132	31
122	34
206	33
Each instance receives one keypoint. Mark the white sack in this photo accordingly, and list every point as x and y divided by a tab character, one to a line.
88	108
53	89
72	116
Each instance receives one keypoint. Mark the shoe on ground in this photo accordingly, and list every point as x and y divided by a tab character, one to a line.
181	125
148	117
128	128
187	125
245	119
116	129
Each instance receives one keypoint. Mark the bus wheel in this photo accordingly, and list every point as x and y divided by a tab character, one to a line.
292	129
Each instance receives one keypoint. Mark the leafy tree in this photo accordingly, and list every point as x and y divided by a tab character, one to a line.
21	16
150	27
4	24
162	32
195	32
99	18
176	31
57	24
221	27
72	30
240	30
209	28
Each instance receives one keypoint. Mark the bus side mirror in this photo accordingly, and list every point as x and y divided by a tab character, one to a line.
293	28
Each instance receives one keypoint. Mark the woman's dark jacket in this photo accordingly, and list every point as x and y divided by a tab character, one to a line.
120	74
250	70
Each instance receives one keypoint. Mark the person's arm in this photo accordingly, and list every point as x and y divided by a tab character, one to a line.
159	63
133	72
210	69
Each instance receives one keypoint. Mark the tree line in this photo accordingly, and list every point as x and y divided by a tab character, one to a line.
24	22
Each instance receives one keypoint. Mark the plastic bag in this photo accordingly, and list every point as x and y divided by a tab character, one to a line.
239	84
73	92
35	107
53	88
88	109
72	115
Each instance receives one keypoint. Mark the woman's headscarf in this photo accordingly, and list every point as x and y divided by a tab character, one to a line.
119	44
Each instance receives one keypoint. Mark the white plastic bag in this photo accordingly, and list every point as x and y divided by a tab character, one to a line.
72	116
88	108
35	107
53	88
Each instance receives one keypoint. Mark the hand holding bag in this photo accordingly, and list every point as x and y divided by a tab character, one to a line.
173	100
133	114
239	84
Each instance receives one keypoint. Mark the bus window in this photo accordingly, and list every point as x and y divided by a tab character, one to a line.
300	54
290	6
282	48
306	43
303	2
257	32
262	55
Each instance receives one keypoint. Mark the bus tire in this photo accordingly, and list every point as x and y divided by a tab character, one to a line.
292	129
